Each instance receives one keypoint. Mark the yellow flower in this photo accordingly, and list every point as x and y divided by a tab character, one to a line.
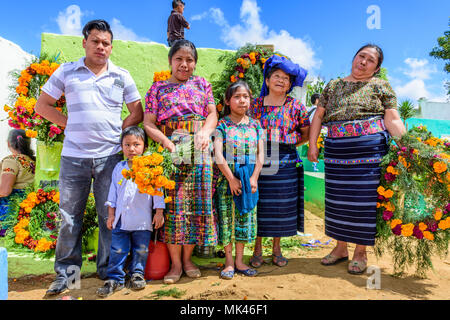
428	235
160	149
407	229
395	222
440	167
438	214
168	199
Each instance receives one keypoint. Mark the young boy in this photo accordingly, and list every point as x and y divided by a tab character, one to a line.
176	23
130	219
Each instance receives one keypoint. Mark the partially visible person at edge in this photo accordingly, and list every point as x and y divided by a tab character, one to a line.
95	90
312	111
130	219
280	206
176	23
239	154
360	113
17	173
181	112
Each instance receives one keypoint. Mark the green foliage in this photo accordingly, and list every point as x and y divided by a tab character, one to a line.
406	110
442	51
383	74
253	75
313	88
174	293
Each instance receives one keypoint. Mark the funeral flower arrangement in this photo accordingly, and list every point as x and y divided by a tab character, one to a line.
413	221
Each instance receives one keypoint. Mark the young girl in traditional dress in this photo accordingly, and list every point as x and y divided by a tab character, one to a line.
239	155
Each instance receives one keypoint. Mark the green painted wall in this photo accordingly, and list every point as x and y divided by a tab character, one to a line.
141	59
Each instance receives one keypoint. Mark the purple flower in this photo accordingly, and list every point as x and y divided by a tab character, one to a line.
387	215
389	177
418	233
432	226
381	198
2	233
50	226
404	149
397	230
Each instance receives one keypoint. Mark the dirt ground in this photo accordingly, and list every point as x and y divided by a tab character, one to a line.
304	278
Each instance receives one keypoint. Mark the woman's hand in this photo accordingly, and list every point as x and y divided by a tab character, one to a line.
313	153
235	186
201	140
158	219
169	145
254	184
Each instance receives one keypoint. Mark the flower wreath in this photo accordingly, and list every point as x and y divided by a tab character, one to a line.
247	64
162	75
413	201
36	221
22	115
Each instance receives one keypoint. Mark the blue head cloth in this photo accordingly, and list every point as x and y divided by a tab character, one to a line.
287	66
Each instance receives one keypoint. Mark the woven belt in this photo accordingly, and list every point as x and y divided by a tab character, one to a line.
355	128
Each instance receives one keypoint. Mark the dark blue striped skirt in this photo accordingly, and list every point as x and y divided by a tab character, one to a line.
280	206
352	176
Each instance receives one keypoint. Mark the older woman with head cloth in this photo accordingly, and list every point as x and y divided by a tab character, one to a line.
285	120
360	113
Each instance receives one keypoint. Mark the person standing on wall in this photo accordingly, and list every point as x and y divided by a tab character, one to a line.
95	90
176	23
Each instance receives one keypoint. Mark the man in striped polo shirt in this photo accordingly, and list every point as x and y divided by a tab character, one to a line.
95	90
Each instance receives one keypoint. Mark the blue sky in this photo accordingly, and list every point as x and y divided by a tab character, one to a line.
322	36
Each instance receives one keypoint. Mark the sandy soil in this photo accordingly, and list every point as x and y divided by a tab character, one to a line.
303	278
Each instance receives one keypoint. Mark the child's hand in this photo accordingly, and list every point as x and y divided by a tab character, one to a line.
254	184
110	222
158	219
235	186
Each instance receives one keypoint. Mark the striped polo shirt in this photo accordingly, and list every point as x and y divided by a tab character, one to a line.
94	106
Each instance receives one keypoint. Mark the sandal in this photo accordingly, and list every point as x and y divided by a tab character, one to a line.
172	279
278	260
361	266
256	261
195	273
332	260
227	275
249	272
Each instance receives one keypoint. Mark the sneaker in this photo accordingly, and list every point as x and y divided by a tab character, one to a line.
138	282
109	288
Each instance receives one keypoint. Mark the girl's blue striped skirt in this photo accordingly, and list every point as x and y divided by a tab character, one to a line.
281	194
352	176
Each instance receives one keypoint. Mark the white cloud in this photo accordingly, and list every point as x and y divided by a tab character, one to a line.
69	21
419	72
253	30
123	33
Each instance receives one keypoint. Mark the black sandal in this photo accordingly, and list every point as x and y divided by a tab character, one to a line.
256	261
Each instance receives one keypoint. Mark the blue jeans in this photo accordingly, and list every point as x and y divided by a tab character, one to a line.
75	181
122	243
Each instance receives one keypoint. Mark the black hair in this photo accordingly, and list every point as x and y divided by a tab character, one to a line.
176	3
232	88
314	97
137	132
19	141
379	51
273	70
183	43
100	25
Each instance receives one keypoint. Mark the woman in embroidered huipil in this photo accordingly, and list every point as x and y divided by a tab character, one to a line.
181	114
17	172
285	120
360	113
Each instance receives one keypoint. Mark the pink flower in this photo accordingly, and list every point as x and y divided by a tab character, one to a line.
389	177
397	230
387	215
55	130
418	233
53	237
432	226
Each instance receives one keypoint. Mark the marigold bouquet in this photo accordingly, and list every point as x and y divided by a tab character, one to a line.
25	94
413	220
151	171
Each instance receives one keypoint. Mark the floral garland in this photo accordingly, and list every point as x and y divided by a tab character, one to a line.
151	172
413	201
36	221
247	64
22	115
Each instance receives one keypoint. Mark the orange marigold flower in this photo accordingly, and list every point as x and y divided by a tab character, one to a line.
438	214
407	229
388	194
440	167
422	226
168	199
428	235
395	222
241	75
381	190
